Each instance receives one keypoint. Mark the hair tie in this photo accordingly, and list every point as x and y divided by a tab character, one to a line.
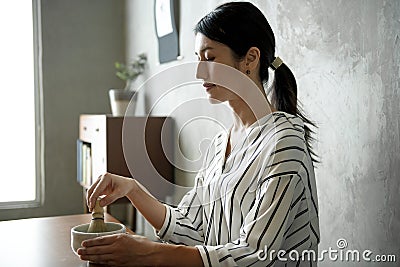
276	63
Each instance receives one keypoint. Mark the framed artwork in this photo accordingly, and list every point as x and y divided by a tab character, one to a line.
165	15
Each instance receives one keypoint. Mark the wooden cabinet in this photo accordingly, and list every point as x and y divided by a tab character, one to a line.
127	146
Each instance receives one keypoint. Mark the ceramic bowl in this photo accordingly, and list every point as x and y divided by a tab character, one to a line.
79	233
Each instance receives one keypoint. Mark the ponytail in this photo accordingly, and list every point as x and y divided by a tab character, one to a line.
284	98
284	95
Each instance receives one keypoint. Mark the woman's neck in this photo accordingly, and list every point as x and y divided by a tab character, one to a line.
245	113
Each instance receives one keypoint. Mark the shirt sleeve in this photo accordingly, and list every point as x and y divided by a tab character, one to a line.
183	225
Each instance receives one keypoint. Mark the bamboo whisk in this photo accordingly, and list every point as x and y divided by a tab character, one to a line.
97	224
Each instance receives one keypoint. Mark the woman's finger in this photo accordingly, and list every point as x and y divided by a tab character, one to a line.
98	190
96	250
108	199
100	241
90	190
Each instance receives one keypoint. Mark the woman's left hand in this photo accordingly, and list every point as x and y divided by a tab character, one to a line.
118	249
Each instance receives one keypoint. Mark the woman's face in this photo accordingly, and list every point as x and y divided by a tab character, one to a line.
208	50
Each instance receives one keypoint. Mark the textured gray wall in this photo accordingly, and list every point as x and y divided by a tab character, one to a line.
81	41
346	57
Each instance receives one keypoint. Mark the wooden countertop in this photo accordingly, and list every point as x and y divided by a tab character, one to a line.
41	242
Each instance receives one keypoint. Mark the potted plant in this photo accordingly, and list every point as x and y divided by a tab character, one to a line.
120	98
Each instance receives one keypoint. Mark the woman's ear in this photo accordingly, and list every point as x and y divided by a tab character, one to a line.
252	59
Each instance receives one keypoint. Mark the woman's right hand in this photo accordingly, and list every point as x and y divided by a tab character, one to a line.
112	186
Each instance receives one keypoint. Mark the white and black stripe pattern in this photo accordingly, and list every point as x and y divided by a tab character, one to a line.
263	195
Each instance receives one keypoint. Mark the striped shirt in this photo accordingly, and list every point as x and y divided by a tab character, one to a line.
261	199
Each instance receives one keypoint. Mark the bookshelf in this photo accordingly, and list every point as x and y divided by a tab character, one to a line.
146	150
84	152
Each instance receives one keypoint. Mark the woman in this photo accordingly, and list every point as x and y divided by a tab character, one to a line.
255	194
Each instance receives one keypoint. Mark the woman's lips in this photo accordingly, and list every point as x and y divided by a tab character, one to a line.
208	86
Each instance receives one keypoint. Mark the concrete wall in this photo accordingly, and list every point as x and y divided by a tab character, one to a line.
81	41
346	58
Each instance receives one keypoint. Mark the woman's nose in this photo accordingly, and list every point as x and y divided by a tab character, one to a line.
202	70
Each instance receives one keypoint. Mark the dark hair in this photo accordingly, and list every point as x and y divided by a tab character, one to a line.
240	26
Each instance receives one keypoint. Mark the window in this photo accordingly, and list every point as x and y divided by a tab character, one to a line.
21	149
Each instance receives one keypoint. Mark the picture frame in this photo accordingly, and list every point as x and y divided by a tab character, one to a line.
166	17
